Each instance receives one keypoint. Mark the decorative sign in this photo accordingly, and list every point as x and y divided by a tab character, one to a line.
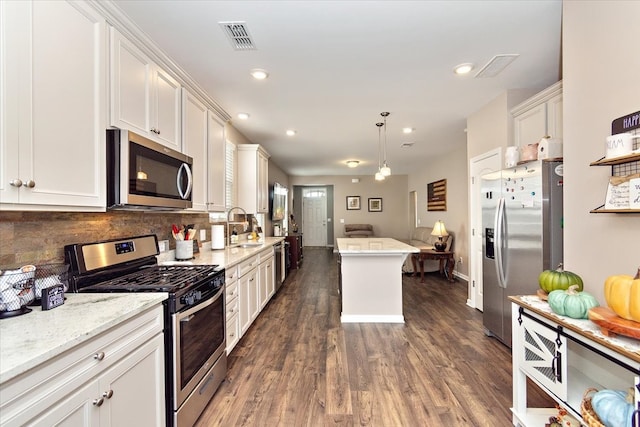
618	192
626	123
437	195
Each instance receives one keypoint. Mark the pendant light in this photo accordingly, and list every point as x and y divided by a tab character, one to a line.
379	176
385	170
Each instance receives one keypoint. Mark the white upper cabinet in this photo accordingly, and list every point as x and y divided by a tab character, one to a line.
539	116
194	140
144	98
216	156
253	178
53	99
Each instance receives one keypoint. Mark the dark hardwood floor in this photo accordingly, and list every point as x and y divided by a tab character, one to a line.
299	366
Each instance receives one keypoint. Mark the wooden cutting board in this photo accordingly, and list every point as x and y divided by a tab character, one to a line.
611	324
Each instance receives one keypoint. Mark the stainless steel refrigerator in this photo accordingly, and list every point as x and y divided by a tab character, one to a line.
522	236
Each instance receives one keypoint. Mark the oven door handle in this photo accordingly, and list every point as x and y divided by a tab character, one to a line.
187	315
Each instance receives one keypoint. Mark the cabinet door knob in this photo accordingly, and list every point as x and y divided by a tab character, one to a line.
30	184
16	182
107	394
98	402
99	356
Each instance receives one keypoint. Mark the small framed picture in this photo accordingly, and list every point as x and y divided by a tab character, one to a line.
375	204
353	203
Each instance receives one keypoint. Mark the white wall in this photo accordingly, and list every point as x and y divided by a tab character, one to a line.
601	69
391	222
452	167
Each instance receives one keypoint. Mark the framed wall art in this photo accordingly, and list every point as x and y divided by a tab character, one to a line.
375	204
353	203
437	195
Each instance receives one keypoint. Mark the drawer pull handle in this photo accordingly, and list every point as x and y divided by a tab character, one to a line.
98	402
99	356
107	394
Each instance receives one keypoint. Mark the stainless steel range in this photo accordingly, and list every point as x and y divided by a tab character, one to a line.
195	355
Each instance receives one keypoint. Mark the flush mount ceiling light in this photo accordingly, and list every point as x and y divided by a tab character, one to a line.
407	130
259	74
243	116
353	163
291	132
463	68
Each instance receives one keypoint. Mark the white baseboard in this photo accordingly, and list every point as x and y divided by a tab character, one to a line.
371	318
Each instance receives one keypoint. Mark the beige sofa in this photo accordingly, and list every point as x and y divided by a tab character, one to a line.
358	230
421	238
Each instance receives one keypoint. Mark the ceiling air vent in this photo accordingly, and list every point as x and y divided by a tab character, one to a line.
238	35
496	65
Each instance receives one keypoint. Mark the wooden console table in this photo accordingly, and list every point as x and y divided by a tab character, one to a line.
446	259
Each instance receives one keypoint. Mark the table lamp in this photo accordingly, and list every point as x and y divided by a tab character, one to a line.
440	231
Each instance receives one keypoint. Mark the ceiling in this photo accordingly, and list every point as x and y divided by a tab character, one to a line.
334	66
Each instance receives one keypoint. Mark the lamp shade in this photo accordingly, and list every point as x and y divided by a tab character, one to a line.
439	229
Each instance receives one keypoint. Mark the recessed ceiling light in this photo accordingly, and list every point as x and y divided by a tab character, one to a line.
259	74
353	163
291	132
463	68
243	116
407	130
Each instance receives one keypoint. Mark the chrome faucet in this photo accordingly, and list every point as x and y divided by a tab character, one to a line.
244	223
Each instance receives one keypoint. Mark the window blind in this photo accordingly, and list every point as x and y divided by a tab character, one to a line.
230	175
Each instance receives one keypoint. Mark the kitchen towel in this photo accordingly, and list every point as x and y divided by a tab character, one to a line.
217	237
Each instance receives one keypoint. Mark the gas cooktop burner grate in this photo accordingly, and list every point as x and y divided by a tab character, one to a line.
156	278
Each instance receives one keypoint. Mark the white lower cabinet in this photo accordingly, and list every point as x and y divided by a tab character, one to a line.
232	307
115	379
267	278
565	357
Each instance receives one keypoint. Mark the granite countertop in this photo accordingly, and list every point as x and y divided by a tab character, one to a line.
33	338
28	340
227	257
373	245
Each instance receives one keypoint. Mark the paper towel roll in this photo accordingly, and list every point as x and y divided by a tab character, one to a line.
549	148
217	237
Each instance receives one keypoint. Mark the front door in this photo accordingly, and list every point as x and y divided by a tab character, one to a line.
314	227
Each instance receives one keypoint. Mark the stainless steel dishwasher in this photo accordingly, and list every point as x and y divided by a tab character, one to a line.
281	271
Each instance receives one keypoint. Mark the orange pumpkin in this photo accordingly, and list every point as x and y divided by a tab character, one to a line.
622	293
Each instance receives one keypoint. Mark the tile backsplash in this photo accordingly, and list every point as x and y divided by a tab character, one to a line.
39	237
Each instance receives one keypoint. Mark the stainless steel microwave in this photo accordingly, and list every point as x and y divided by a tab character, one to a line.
144	174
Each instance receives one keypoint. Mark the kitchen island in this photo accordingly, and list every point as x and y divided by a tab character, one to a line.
371	279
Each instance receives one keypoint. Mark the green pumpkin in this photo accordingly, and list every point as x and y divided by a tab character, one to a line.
551	280
613	407
572	303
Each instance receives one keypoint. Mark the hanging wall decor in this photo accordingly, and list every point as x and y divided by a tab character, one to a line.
353	203
437	195
375	204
